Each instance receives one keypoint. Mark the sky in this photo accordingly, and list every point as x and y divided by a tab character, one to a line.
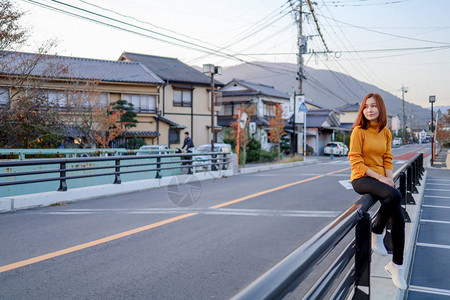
387	43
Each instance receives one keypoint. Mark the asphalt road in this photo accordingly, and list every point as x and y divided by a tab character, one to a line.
142	245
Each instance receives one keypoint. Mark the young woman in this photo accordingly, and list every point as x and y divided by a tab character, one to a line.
371	160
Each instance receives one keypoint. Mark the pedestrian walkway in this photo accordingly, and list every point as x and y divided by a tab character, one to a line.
429	274
442	160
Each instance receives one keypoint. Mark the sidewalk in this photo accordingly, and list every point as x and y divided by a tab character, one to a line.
427	243
429	275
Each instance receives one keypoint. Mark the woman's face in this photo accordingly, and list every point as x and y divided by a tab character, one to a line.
371	110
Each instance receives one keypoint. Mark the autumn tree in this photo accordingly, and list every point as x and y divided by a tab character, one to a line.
243	132
277	124
27	119
11	33
443	132
89	120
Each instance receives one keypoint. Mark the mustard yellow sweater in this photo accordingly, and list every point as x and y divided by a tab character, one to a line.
370	149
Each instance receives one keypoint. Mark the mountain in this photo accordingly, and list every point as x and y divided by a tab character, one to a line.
327	88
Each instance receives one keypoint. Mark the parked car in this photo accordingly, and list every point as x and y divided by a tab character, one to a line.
397	141
206	159
336	148
152	149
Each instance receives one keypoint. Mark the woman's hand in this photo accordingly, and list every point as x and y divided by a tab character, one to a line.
386	180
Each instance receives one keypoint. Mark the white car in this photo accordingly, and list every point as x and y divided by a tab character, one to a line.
152	149
397	141
336	148
206	159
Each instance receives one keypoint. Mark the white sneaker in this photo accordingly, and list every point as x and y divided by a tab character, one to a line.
378	245
397	273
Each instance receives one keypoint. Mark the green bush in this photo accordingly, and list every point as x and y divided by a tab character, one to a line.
265	156
253	150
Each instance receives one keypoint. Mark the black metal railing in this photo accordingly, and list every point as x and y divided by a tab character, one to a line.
353	263
192	161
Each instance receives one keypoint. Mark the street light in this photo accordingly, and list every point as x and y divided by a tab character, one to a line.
404	91
212	70
432	99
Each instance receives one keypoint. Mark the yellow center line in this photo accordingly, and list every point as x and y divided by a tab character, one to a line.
275	189
110	238
91	244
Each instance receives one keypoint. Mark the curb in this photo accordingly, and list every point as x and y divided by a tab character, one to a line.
13	203
277	166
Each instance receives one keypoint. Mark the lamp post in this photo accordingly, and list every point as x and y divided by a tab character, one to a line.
404	91
212	70
432	99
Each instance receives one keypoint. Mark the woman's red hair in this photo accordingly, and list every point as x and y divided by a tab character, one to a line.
382	117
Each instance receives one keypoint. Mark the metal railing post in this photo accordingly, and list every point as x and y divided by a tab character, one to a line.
213	162
362	257
62	177
224	161
158	166
404	192
117	179
409	186
412	178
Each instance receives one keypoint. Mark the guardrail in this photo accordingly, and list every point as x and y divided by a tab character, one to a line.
62	166
288	274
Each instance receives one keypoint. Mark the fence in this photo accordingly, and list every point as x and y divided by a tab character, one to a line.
111	169
288	274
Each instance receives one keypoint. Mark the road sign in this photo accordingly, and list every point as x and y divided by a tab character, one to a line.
303	107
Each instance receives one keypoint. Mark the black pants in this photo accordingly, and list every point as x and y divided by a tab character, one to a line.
390	210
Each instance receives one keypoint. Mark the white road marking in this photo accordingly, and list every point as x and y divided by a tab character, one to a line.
206	211
433	245
436	206
428	290
435	221
442	197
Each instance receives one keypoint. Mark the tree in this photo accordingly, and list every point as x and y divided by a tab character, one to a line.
128	117
27	119
96	123
243	132
443	131
11	33
276	125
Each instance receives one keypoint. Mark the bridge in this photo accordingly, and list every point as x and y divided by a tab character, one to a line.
208	235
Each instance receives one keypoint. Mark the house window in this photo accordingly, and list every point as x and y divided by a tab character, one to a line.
182	97
227	110
57	98
103	98
269	110
174	136
141	103
4	96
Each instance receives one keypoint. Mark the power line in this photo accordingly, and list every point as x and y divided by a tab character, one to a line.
385	33
189	45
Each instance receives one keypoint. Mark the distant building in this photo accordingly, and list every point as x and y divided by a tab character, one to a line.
184	98
115	80
238	92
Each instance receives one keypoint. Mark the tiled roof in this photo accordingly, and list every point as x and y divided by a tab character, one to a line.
349	107
256	89
170	69
141	133
170	122
50	66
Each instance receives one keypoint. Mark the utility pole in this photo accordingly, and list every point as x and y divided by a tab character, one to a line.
299	73
404	91
300	50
